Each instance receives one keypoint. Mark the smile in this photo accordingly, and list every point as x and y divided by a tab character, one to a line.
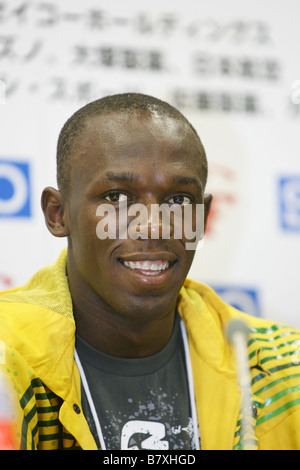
148	267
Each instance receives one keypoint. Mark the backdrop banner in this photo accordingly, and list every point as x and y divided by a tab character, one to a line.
231	67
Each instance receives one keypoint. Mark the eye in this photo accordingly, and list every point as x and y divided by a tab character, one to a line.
180	199
116	196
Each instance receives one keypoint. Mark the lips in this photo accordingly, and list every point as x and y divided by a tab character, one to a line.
148	265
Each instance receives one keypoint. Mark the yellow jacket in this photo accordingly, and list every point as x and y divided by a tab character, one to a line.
37	334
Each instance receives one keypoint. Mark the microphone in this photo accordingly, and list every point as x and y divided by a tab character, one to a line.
238	334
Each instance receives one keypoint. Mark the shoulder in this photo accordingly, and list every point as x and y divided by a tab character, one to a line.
274	358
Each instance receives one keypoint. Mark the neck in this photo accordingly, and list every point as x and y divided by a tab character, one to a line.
119	334
122	339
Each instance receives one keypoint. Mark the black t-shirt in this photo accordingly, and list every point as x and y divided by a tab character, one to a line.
140	403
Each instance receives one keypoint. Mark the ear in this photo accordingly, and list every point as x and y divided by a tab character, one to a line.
53	207
207	205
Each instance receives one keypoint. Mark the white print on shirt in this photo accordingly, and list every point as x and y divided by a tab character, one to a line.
156	430
167	428
154	433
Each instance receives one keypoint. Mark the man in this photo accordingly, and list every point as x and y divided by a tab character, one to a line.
111	347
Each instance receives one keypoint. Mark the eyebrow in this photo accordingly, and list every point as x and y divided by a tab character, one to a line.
185	180
132	177
121	177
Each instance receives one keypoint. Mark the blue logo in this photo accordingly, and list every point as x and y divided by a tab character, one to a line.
289	203
15	198
244	299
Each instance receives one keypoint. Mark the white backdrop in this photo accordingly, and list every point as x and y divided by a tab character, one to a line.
232	67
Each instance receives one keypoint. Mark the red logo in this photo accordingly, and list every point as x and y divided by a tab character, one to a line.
221	185
5	282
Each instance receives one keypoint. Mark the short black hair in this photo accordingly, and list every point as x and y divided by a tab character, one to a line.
125	102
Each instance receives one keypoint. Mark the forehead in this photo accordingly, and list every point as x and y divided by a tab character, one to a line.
137	141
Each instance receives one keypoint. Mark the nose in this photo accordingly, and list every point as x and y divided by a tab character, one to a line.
147	222
155	221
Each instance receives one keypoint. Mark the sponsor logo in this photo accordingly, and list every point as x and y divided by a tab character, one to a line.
15	198
289	203
222	186
5	282
244	299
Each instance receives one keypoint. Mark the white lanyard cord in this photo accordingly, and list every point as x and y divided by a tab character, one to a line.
90	401
190	384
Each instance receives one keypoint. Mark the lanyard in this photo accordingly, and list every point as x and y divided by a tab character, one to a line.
190	386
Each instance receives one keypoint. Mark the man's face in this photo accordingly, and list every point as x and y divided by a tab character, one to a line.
143	160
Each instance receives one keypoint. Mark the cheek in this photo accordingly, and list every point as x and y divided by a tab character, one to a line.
106	224
193	227
88	251
82	222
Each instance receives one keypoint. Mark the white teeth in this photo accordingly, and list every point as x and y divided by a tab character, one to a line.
155	266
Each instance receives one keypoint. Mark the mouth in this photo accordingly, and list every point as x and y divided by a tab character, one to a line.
149	266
